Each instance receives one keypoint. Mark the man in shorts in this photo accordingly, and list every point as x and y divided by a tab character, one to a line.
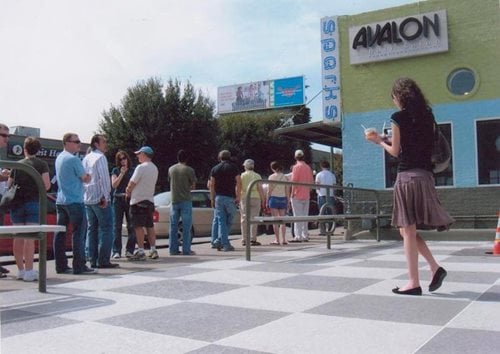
140	190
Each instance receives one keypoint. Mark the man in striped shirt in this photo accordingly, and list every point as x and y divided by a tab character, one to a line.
97	204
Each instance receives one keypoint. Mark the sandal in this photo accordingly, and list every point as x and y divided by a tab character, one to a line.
255	243
275	243
284	243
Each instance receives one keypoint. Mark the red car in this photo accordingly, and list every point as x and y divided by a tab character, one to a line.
6	244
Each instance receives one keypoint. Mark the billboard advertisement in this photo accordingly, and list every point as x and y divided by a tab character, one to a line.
256	95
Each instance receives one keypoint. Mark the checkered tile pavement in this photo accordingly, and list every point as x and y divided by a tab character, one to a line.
301	300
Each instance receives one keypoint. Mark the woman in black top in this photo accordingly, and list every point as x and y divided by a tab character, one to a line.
416	204
120	176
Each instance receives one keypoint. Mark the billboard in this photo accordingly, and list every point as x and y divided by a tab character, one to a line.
256	95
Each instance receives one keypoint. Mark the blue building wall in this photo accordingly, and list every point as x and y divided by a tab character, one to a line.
364	162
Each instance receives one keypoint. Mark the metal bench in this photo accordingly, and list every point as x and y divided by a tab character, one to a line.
376	215
36	232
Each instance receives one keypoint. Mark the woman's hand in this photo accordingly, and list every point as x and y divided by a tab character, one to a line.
374	138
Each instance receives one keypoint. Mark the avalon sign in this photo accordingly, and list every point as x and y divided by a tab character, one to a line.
398	38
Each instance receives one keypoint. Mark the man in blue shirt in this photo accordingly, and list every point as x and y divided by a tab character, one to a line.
69	205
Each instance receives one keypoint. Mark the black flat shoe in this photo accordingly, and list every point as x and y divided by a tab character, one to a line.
437	279
414	291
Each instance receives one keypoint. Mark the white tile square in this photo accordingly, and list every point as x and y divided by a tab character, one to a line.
110	282
307	333
359	272
225	264
89	338
273	299
120	304
479	315
234	276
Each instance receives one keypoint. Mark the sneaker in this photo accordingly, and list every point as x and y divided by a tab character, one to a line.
30	275
153	254
228	248
128	254
116	255
138	256
88	270
67	270
20	274
190	253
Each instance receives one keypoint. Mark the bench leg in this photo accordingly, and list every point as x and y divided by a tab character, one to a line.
42	264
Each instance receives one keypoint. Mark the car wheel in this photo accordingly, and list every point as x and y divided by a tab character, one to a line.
180	229
327	209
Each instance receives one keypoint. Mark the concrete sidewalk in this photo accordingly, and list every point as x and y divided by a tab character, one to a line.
299	298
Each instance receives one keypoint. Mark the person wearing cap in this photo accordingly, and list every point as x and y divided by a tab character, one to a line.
140	190
225	191
257	200
182	180
301	172
97	197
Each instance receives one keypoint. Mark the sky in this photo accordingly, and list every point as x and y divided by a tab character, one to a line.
63	62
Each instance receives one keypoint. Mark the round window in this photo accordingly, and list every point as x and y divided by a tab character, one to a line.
461	81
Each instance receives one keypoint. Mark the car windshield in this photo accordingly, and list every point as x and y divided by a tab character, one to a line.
162	199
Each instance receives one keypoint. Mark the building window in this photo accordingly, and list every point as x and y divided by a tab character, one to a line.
461	82
444	178
488	151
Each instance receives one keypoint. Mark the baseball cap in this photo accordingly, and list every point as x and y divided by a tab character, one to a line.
145	149
248	163
299	153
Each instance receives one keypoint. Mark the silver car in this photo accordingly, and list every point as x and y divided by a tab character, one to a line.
203	215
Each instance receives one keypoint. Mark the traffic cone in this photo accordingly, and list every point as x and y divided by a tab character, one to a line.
496	246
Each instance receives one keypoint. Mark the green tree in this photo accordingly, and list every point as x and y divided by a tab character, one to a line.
167	120
251	135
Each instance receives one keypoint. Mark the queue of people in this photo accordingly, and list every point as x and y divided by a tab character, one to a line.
95	202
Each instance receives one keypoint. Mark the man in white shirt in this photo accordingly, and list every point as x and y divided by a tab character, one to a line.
325	195
97	194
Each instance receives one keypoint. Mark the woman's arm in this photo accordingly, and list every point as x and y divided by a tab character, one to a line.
393	146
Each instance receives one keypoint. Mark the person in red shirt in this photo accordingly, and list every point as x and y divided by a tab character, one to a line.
301	172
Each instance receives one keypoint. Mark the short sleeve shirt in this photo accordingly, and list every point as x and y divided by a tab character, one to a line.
182	178
27	188
69	170
144	177
225	178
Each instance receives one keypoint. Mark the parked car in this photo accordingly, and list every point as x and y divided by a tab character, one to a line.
203	215
6	244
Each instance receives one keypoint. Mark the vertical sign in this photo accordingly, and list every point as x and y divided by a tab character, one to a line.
330	69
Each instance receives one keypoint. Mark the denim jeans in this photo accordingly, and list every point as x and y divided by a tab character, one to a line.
322	200
99	234
184	211
74	215
121	208
225	210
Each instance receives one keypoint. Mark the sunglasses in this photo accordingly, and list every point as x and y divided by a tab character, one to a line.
74	141
3	135
122	158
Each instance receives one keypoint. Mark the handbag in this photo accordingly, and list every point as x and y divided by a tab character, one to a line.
441	151
9	195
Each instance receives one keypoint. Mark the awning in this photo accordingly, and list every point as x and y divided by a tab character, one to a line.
329	134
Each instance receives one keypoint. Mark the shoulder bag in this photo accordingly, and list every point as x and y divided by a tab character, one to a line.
441	151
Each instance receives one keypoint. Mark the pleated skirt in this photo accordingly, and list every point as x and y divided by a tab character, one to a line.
416	202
